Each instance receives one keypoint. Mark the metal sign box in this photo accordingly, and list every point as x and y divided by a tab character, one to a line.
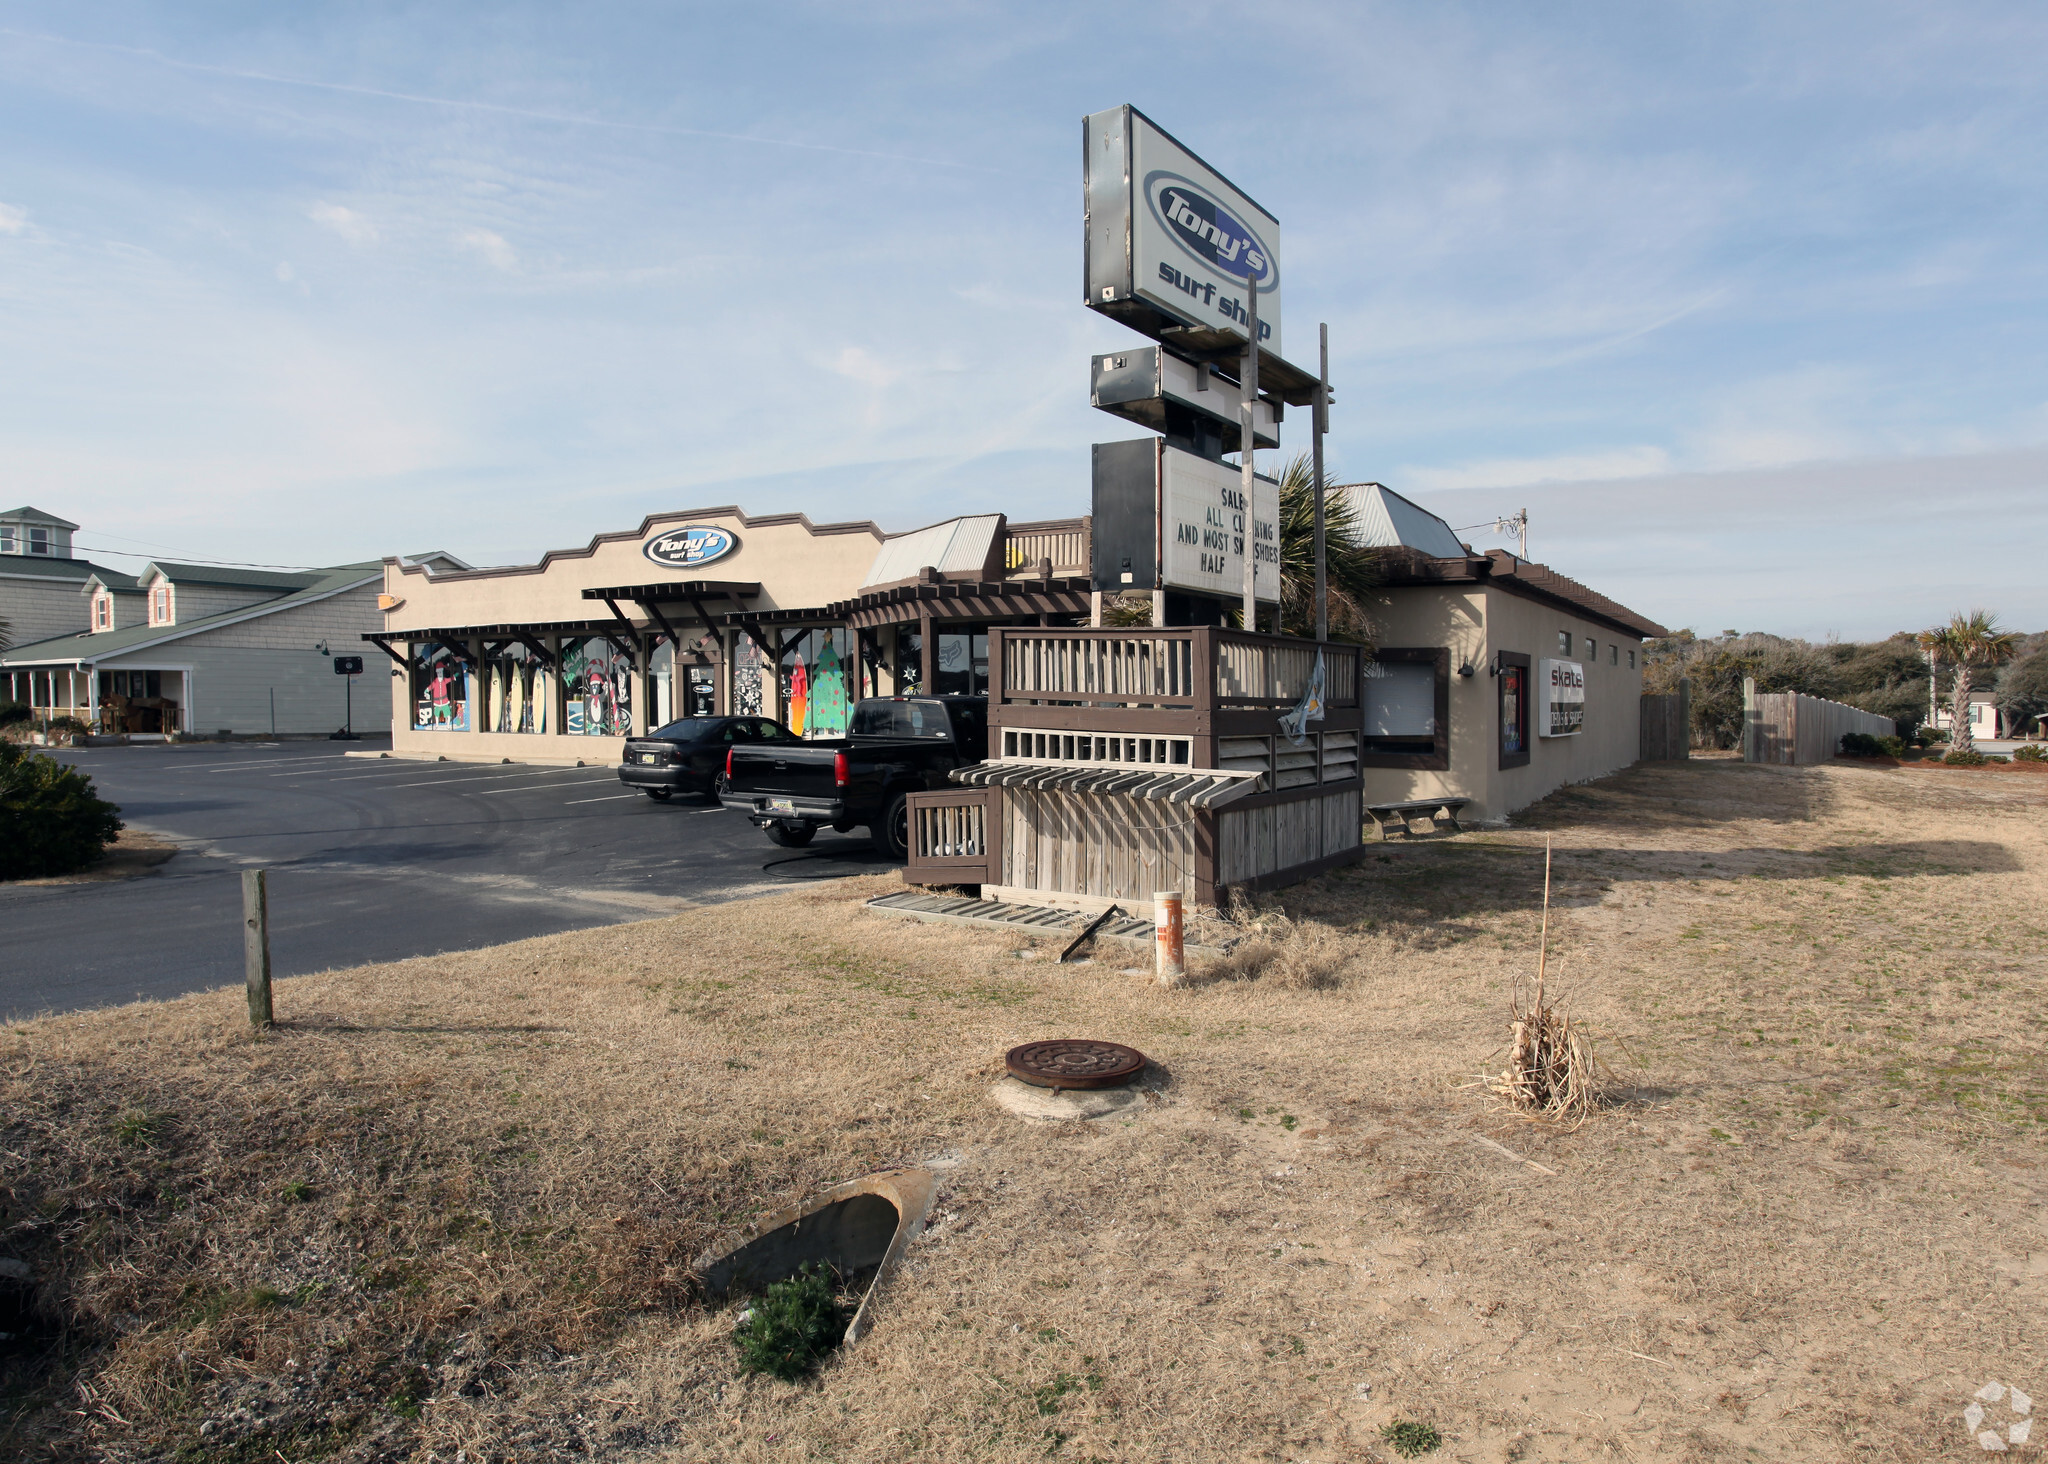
1179	399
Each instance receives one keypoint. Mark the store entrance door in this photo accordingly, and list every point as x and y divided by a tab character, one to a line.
701	695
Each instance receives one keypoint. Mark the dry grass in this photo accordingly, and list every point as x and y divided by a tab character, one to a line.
1808	1227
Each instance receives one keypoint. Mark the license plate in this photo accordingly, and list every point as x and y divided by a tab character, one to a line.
781	805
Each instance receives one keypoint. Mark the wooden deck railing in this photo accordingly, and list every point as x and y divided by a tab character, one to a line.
1063	541
1191	667
949	836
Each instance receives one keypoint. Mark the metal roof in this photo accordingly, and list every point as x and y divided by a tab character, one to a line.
1198	787
1386	520
957	546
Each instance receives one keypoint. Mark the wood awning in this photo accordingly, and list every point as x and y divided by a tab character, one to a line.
906	604
1197	788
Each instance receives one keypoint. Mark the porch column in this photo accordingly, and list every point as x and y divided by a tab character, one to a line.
927	655
479	688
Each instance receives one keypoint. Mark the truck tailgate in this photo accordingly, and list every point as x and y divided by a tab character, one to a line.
784	771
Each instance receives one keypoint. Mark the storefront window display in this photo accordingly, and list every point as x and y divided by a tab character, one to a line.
597	681
519	690
962	664
816	665
746	677
440	690
910	662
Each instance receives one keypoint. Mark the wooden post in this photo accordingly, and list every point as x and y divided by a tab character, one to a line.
256	944
928	656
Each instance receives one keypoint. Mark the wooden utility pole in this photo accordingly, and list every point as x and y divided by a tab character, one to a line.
1248	413
1320	423
256	944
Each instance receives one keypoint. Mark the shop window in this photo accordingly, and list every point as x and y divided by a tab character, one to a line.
1613	654
1592	649
1407	704
516	690
961	665
1513	682
746	677
909	663
597	683
1631	660
440	690
816	667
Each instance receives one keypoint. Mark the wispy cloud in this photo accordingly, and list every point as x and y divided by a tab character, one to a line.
491	248
350	225
12	220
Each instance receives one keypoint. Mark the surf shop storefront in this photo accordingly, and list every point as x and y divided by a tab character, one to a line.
562	659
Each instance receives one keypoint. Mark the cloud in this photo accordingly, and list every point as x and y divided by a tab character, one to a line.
856	364
12	220
285	273
1621	462
352	226
495	251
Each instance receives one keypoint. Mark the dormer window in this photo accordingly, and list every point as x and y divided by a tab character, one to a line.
9	543
38	541
102	612
160	605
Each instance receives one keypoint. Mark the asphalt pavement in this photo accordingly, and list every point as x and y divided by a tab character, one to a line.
372	860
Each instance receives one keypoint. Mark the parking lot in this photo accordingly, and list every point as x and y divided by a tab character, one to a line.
374	860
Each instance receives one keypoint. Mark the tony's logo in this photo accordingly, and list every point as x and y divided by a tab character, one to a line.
1210	232
691	545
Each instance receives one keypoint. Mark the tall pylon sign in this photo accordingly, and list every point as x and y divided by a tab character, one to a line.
1178	253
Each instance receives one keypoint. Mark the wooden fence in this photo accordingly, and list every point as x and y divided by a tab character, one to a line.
1789	727
1667	725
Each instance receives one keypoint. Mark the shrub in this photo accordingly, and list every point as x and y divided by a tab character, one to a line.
1970	759
12	712
1862	744
51	820
791	1328
1411	1440
1930	736
2032	752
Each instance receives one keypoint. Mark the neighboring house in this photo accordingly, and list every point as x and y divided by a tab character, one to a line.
201	648
42	587
1984	716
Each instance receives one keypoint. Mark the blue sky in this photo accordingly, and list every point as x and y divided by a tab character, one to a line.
1745	303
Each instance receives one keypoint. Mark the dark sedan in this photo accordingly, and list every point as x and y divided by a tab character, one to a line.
689	756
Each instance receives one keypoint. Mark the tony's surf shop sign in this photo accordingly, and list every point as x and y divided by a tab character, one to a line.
690	546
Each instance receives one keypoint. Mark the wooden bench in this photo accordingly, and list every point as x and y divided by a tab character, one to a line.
1388	814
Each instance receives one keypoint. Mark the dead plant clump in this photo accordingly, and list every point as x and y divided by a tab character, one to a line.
1551	1071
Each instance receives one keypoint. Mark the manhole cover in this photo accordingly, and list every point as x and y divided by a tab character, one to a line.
1074	1062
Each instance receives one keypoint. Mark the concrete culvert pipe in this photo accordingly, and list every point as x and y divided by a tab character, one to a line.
856	1228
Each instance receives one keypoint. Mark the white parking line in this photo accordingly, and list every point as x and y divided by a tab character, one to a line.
530	787
608	798
503	778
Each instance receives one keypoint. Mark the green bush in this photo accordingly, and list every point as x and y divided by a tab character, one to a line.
51	820
2032	752
12	712
1412	1440
1930	736
791	1328
1961	759
1862	744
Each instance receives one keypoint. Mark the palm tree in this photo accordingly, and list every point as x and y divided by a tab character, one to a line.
1967	642
1352	571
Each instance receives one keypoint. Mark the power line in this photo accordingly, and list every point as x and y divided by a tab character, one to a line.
192	559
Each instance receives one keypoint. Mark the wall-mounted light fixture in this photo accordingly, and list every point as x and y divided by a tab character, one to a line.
1493	666
1466	670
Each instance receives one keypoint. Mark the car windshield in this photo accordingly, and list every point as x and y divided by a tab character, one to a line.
690	729
900	719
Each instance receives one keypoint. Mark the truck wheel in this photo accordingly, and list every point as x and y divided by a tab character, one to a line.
791	836
659	795
893	832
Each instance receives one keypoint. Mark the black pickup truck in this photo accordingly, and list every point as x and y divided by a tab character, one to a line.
896	745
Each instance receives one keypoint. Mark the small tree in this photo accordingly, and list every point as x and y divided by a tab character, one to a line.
1966	643
51	820
2023	689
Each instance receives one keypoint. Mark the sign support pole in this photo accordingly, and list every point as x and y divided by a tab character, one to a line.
1247	415
1321	423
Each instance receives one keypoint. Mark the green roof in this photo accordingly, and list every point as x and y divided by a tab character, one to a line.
27	515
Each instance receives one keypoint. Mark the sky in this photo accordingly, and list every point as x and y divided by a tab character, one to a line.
1745	304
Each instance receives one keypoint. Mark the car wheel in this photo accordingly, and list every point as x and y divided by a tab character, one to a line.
715	794
791	836
893	832
659	795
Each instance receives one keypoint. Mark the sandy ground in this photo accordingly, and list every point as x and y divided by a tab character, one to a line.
1808	1227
